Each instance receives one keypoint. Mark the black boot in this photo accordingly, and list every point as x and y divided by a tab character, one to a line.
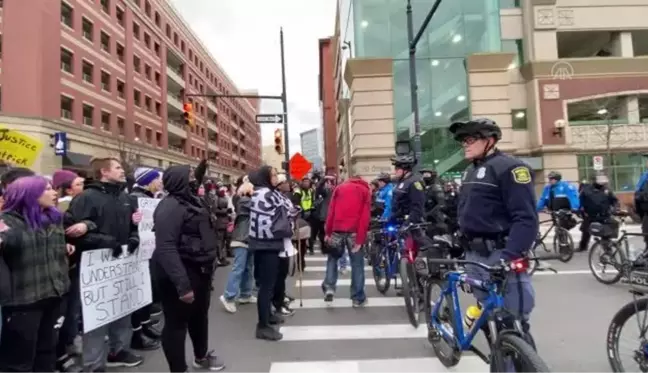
268	333
276	319
152	330
143	343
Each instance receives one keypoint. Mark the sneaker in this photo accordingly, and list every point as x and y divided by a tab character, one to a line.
276	319
210	362
268	334
288	299
286	311
328	297
141	341
229	305
343	271
357	304
124	358
247	300
68	364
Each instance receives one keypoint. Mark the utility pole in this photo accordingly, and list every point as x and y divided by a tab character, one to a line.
412	42
282	97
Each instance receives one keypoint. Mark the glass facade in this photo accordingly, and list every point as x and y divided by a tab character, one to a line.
459	28
623	169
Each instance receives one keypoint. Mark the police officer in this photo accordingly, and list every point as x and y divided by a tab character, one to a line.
597	202
558	195
641	200
497	217
384	194
434	203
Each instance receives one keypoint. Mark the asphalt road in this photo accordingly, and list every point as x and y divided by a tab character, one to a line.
569	325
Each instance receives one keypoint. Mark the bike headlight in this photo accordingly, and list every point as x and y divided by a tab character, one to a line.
391	228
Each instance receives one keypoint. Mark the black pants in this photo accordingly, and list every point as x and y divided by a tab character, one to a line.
317	232
267	263
30	335
644	227
221	242
143	315
585	234
280	285
181	317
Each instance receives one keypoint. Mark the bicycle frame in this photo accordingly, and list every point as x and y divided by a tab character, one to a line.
392	255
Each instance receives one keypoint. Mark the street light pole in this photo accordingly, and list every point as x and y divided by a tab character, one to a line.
284	101
412	42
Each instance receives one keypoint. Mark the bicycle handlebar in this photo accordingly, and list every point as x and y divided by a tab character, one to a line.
515	265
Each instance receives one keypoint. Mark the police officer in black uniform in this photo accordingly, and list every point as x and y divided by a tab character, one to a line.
597	203
434	203
497	217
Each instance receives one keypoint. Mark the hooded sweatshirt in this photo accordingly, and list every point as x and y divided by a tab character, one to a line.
350	209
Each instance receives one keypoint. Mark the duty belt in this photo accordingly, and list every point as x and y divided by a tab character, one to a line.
483	246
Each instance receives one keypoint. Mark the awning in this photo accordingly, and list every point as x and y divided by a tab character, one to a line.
76	160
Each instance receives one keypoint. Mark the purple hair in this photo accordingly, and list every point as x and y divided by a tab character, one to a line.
21	197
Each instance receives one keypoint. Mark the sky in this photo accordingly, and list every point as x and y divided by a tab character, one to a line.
243	36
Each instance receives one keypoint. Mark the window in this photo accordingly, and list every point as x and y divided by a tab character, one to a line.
514	46
158	109
136	31
147	71
67	61
105	81
158	139
67	104
67	15
147	8
168	31
88	114
105	42
88	71
138	131
624	170
137	98
519	119
121	53
137	64
157	78
105	121
508	4
121	126
88	29
156	48
148	103
105	6
175	39
147	40
157	19
119	14
121	89
149	135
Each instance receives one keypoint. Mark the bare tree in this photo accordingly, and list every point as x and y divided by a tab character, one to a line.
128	153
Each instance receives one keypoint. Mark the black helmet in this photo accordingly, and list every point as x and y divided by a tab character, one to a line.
555	175
404	162
384	176
429	170
479	127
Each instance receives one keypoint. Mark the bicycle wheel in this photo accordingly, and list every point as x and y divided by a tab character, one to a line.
533	263
410	291
606	257
511	351
380	269
446	351
563	244
638	358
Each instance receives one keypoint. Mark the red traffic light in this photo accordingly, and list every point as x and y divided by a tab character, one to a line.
187	107
278	140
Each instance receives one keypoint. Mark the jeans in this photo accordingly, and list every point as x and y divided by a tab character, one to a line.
267	262
357	270
239	281
95	349
343	262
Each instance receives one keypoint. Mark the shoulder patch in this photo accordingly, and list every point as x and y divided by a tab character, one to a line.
417	185
521	175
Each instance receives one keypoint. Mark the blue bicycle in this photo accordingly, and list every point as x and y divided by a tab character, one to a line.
385	257
511	348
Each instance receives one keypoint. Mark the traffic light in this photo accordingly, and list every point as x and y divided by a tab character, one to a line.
188	114
278	140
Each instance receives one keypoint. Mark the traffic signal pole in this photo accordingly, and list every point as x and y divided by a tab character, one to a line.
281	97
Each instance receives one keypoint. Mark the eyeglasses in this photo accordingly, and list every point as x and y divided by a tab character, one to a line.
469	140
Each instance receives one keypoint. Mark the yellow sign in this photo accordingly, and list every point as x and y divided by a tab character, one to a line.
521	175
17	148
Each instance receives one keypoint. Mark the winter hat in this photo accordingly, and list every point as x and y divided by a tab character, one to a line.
145	176
62	177
281	178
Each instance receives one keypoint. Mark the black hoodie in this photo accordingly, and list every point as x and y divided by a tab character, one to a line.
184	236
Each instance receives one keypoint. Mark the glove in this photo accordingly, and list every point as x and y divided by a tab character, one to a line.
117	251
133	244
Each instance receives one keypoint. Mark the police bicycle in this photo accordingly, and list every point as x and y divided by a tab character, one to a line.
613	255
510	346
384	255
563	242
411	281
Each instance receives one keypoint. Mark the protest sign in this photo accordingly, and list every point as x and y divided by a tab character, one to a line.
112	288
147	238
17	148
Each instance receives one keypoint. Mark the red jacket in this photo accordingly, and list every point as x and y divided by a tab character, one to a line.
350	209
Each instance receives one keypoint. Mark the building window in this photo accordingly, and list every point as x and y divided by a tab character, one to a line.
121	52
147	9
137	64
156	48
88	72
105	6
121	126
88	114
157	19
508	4
105	121
137	98
158	109
88	29
168	31
67	61
138	131
158	139
67	105
67	15
157	78
148	103
519	119
121	89
105	42
147	40
147	71
149	136
105	81
623	169
136	31
514	46
119	14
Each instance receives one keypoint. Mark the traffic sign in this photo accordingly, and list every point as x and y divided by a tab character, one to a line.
270	118
299	166
597	163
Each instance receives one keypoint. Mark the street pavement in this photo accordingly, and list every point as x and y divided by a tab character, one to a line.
569	325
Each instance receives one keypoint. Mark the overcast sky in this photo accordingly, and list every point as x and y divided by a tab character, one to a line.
243	35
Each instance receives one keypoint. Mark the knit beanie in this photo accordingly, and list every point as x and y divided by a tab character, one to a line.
145	176
61	177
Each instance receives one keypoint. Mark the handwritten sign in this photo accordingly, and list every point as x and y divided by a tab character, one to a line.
112	288
17	148
147	207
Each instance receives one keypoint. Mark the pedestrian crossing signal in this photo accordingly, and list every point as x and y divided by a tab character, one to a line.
278	141
188	114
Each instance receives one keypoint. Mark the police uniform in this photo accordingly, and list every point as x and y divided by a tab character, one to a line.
408	199
497	220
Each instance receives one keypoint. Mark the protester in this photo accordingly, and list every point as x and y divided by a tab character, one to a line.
102	217
183	265
269	226
32	242
239	282
68	185
219	207
146	335
279	303
306	201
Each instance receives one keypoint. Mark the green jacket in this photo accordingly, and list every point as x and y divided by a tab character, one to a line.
36	262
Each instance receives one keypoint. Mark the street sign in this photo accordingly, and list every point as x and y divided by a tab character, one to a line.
597	163
270	118
299	166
